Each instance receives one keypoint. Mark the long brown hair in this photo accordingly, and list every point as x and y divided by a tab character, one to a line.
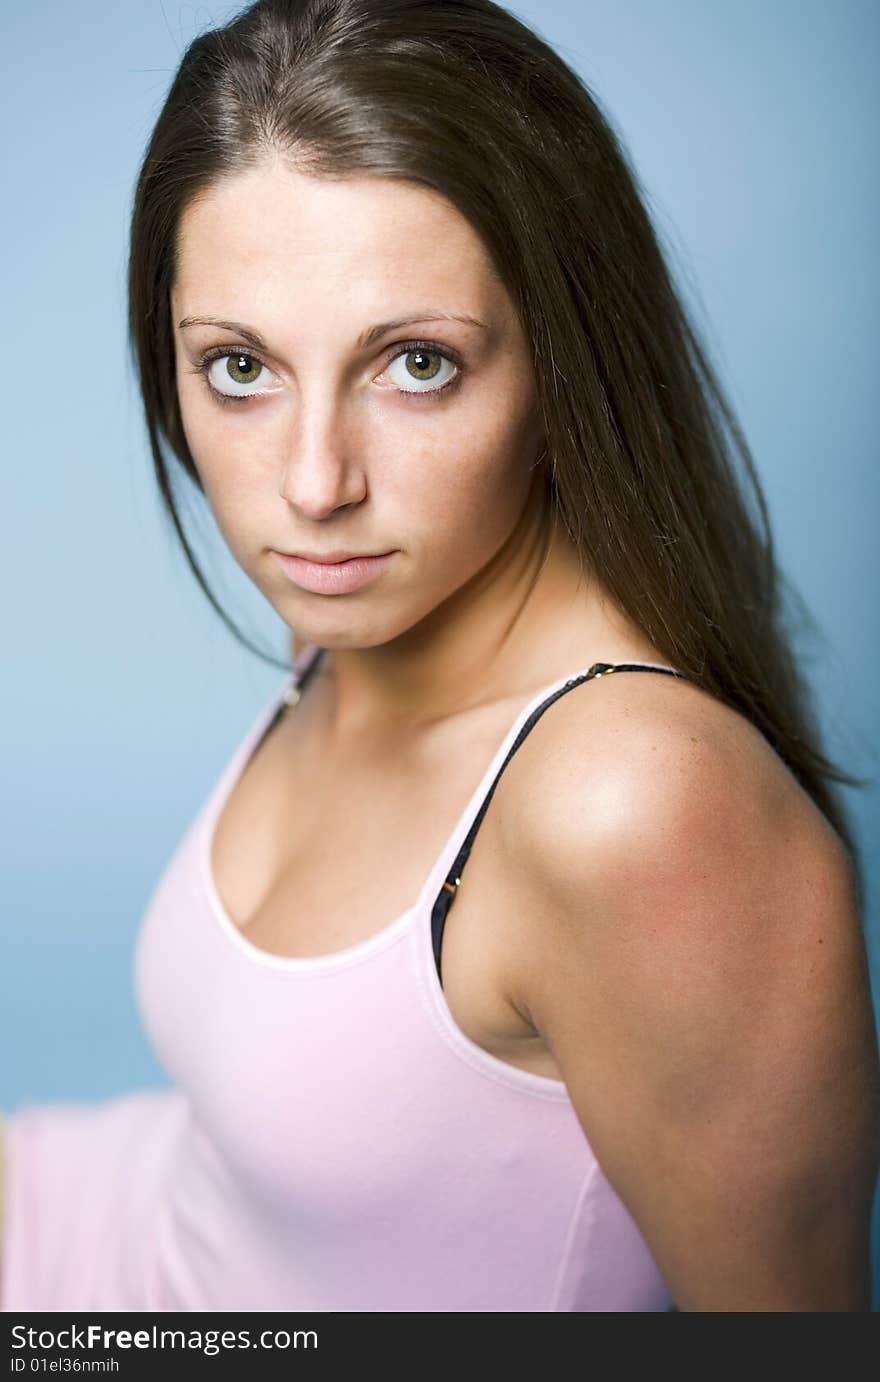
642	444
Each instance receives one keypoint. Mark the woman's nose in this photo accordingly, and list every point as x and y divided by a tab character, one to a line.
321	467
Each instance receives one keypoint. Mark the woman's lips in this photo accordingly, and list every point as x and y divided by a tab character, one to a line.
332	578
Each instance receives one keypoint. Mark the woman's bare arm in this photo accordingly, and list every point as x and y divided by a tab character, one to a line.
702	983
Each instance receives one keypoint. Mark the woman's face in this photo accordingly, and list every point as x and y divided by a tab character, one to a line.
370	392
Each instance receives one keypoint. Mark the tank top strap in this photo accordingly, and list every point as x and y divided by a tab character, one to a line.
449	888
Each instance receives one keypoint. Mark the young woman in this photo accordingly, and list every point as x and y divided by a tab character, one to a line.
514	961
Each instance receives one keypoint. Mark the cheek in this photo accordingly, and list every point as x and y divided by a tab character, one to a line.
227	478
223	460
467	474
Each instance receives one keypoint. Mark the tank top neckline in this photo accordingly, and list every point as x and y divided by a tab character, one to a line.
390	931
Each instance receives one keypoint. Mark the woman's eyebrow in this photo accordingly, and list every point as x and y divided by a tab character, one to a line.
252	337
374	333
364	340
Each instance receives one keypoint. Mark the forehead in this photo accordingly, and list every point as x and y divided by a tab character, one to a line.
272	235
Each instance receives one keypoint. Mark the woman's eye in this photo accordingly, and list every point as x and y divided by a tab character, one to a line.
232	373
420	370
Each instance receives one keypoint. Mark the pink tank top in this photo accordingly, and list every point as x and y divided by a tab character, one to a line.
331	1140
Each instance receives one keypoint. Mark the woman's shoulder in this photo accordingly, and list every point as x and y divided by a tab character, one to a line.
642	758
667	859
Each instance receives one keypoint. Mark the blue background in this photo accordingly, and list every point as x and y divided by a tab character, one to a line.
753	129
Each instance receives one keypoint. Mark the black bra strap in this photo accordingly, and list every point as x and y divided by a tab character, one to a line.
449	888
298	685
291	696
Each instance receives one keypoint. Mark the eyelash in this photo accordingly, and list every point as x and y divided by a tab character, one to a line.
221	352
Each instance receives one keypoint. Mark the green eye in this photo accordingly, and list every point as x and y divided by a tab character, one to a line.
236	368
239	371
422	365
427	363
